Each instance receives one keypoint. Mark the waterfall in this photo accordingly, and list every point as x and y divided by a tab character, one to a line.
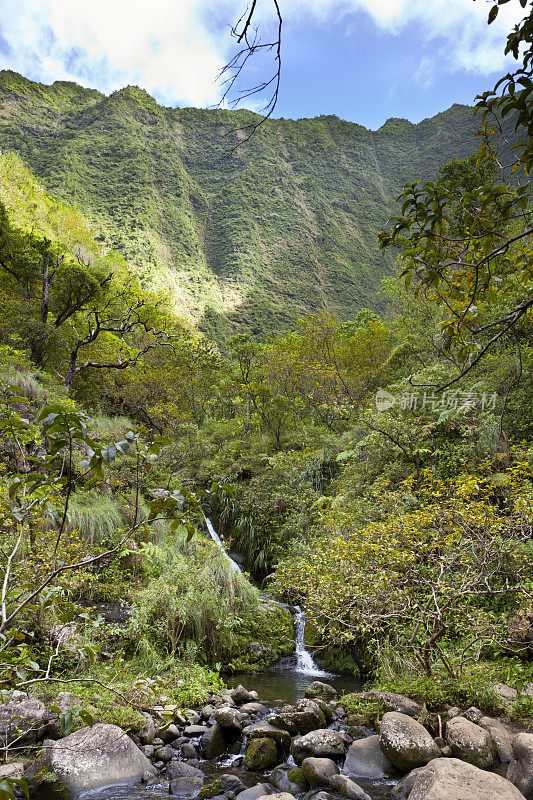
304	659
217	540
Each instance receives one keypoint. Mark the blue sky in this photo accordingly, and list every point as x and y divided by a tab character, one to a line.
363	60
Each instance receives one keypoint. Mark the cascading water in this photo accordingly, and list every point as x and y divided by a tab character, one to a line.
304	659
217	540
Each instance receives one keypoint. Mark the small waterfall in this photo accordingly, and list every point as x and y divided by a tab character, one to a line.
304	659
217	540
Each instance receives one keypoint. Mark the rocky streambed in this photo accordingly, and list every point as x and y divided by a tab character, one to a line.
236	746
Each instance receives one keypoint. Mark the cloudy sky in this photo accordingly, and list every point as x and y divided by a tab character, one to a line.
364	60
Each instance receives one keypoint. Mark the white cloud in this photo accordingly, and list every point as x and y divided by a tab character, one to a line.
175	48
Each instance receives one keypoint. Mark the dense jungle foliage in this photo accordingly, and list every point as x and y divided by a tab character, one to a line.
377	469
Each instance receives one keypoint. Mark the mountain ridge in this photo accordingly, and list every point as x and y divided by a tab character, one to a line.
244	234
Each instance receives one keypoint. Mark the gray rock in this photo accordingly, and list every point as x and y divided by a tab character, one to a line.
520	771
188	750
277	796
148	750
307	716
280	778
94	757
169	733
405	742
193	731
164	753
207	711
254	708
213	742
505	693
178	769
452	779
230	718
347	788
15	769
473	714
318	771
259	790
192	716
322	743
241	695
232	783
470	742
500	736
27	720
365	760
185	786
147	732
265	729
320	689
395	702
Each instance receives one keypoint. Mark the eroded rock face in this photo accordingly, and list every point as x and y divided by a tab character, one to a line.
94	757
520	771
365	760
470	742
405	742
322	743
452	779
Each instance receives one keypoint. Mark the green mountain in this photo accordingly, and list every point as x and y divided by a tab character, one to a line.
240	231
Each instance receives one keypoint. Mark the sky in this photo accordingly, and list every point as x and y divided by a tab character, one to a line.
363	60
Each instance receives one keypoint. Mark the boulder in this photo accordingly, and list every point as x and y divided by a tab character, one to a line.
261	754
365	760
307	716
470	742
318	771
27	720
13	770
164	753
94	757
178	769
147	731
241	695
188	750
229	718
231	783
277	796
264	729
281	778
405	742
319	689
194	731
394	702
254	709
452	779
505	693
259	790
347	788
322	743
473	714
213	742
500	737
520	771
185	786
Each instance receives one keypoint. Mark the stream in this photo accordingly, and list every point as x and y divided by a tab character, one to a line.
283	683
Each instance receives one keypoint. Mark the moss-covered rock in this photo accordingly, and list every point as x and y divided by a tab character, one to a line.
261	754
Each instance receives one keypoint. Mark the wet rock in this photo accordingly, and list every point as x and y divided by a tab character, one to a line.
265	729
327	710
229	718
470	742
405	742
213	742
259	790
261	754
520	771
232	783
178	769
452	779
347	788
193	731
94	757
322	743
500	736
241	695
188	750
365	760
318	771
255	709
281	779
164	753
210	790
320	689
169	733
187	787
